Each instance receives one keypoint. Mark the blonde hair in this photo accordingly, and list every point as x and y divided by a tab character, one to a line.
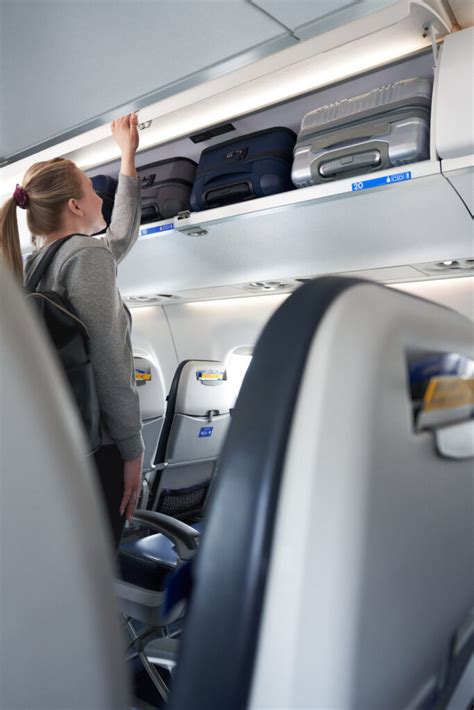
49	185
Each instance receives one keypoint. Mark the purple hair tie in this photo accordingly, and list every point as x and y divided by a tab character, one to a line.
21	197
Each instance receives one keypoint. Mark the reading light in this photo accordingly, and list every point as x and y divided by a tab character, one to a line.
194	232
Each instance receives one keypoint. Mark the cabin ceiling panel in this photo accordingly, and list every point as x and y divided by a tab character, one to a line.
307	18
72	65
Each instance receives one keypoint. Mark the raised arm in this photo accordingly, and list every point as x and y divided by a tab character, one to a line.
124	226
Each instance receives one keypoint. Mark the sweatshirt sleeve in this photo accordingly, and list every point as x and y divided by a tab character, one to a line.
126	214
93	293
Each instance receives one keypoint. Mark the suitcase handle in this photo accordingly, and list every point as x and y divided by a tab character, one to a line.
364	157
150	213
227	195
147	180
333	167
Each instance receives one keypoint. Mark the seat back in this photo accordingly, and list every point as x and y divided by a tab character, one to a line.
60	642
151	392
337	560
196	423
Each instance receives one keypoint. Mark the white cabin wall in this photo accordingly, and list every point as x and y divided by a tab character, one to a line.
213	329
457	294
205	330
151	333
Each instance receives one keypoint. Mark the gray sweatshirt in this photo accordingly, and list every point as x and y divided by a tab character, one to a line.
84	270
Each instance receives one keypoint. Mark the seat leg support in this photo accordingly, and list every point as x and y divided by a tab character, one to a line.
138	644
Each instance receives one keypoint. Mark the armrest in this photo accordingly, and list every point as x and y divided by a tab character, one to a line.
184	537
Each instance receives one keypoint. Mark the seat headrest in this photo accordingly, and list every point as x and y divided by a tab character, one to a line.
150	387
203	387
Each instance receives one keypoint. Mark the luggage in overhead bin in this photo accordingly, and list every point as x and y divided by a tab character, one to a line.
105	186
166	187
254	165
382	128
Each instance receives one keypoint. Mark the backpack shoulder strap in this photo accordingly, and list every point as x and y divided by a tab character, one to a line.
32	282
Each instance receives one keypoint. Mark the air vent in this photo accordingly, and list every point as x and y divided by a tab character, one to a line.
450	266
212	133
266	286
147	300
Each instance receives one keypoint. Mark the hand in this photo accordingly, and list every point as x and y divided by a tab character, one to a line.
125	133
132	483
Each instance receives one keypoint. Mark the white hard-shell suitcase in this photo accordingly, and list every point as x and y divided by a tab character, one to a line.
382	128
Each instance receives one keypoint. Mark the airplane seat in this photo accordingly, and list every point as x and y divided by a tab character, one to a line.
146	565
195	426
196	422
151	393
60	638
336	566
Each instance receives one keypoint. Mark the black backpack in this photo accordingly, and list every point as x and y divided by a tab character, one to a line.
70	339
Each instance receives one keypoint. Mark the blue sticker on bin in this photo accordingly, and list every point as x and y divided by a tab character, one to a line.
159	228
386	180
206	431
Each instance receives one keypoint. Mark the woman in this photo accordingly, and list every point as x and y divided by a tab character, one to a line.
59	200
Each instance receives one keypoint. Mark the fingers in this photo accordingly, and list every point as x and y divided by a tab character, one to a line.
124	501
129	502
130	119
132	504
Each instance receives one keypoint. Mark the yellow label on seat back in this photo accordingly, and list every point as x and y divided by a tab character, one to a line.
448	393
210	375
142	375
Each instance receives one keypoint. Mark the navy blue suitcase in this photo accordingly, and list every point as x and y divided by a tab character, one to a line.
253	165
105	186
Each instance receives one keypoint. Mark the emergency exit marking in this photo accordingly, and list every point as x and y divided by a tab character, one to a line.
386	180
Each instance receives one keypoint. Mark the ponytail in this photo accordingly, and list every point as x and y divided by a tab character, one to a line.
10	239
47	188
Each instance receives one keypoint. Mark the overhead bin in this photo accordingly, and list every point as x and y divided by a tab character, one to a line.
454	127
453	108
460	174
321	229
396	217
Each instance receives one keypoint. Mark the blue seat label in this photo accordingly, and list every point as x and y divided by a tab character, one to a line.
386	180
206	431
159	228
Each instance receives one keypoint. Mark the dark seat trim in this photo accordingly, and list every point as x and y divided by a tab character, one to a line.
222	625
